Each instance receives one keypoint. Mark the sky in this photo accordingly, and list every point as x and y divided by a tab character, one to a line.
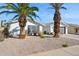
71	15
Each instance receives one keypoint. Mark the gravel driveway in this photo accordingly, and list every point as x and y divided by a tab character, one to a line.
32	44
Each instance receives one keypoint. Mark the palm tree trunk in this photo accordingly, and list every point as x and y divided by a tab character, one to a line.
57	19
22	33
22	24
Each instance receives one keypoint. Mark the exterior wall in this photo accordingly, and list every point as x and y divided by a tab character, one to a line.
66	28
78	31
71	30
40	29
14	28
62	30
62	25
50	29
46	28
32	29
28	23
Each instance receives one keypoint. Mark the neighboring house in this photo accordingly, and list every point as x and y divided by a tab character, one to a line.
31	27
73	29
49	28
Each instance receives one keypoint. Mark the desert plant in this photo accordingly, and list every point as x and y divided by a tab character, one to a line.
45	32
6	32
41	34
65	45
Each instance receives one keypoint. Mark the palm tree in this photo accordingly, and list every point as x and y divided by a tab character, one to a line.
21	11
57	17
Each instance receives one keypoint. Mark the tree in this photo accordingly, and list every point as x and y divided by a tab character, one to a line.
21	11
57	17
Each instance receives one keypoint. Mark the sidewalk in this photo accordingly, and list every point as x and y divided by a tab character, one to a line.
68	51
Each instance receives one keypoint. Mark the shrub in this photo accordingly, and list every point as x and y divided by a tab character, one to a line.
1	36
35	34
45	32
41	35
6	32
65	45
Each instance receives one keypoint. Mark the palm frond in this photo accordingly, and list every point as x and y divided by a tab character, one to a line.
16	16
58	6
61	4
22	6
7	12
33	9
31	17
3	7
64	8
13	5
20	9
50	8
9	7
34	15
53	5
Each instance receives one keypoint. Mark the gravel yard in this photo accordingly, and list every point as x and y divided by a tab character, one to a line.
33	44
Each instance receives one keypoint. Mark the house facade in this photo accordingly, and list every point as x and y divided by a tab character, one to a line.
73	29
31	27
49	28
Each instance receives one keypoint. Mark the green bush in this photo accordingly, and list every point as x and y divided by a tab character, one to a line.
45	32
41	35
65	45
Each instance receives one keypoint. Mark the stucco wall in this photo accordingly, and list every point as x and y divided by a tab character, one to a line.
78	31
71	30
50	28
28	23
46	28
14	28
40	29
